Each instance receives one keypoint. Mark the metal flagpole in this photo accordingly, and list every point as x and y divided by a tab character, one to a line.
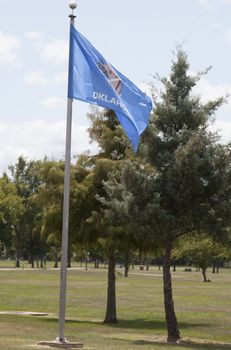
66	200
64	250
65	226
61	340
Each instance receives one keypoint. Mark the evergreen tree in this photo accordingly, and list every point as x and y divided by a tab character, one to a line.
192	188
114	149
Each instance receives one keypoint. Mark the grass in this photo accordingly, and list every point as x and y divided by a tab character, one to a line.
203	309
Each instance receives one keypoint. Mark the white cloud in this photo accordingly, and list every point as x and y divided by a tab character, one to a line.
212	5
204	2
37	139
224	130
37	79
54	51
37	36
9	48
228	36
53	102
208	4
60	77
207	91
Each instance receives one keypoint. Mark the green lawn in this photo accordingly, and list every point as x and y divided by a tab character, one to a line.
203	309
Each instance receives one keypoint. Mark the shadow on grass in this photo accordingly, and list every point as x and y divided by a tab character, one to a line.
190	344
151	324
129	324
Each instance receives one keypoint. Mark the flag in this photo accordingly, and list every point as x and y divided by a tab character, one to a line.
92	79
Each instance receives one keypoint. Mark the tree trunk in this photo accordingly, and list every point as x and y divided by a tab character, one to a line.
126	269
204	274
56	260
111	291
171	321
69	260
216	266
18	248
126	264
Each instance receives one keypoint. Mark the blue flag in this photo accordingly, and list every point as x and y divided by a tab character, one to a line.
92	79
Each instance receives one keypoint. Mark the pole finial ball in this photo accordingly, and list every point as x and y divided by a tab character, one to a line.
73	5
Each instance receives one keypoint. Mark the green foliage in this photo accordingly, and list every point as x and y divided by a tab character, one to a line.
48	199
127	193
107	132
12	210
25	176
191	166
201	251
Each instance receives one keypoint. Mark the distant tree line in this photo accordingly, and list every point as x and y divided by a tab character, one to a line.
171	200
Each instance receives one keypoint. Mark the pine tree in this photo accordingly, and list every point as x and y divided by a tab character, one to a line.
191	170
114	148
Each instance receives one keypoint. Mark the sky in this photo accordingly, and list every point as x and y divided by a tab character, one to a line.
136	37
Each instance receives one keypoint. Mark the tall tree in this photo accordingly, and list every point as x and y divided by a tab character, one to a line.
49	199
191	170
114	148
25	176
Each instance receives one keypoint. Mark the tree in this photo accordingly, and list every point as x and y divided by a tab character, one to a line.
127	192
114	148
25	176
201	251
11	213
100	230
49	199
190	185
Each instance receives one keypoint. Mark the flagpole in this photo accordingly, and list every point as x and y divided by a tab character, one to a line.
66	201
65	225
61	341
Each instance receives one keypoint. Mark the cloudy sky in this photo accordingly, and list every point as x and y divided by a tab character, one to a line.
137	37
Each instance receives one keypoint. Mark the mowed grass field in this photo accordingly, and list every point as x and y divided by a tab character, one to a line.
203	309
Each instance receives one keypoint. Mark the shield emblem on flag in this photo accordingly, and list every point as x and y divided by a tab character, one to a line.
112	77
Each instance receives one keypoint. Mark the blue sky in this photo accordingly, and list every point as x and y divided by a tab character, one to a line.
137	37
